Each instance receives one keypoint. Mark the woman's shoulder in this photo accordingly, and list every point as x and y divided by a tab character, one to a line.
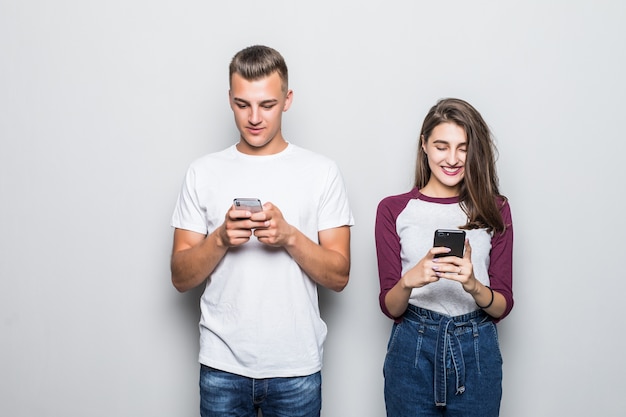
505	209
502	202
396	199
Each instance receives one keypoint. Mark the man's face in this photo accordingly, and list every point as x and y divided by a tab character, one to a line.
258	106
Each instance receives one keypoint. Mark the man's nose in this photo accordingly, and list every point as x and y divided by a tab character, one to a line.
254	117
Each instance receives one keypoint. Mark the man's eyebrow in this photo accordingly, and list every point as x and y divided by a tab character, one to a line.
263	102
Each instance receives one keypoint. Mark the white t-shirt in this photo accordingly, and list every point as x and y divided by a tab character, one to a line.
259	311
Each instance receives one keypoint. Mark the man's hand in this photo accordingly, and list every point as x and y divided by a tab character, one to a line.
274	231
238	226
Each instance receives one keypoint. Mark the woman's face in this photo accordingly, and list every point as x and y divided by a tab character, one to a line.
446	150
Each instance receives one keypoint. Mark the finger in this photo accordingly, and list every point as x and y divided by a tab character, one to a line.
261	216
269	206
452	276
236	214
438	250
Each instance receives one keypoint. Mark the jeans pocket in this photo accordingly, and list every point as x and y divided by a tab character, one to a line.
496	348
487	348
405	344
392	337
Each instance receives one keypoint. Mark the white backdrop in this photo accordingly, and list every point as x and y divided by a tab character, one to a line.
103	104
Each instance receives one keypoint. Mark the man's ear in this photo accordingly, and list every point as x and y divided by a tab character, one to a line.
288	100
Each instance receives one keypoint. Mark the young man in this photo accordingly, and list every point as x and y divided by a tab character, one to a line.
261	335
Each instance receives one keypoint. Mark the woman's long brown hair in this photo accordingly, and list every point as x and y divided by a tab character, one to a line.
479	195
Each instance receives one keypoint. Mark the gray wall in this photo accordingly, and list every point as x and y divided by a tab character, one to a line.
103	104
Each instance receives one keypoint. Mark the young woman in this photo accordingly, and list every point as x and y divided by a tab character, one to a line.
443	357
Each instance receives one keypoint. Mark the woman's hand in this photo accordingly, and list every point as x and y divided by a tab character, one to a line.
458	269
425	271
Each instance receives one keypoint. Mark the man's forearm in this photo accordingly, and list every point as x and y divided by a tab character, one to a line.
192	266
328	266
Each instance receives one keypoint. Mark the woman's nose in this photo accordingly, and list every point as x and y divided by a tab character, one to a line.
453	157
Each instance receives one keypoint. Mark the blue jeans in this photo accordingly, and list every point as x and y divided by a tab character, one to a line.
223	394
443	366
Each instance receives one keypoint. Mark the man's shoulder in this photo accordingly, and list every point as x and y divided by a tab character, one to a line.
310	155
211	158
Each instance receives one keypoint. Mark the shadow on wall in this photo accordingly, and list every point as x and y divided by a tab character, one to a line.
327	303
188	305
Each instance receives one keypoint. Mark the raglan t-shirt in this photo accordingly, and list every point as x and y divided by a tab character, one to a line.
405	226
259	311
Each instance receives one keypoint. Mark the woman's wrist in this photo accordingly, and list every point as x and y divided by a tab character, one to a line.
492	297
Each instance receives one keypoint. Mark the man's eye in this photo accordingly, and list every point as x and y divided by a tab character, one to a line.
440	148
269	106
241	106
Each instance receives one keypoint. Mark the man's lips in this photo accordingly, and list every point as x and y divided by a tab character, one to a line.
254	130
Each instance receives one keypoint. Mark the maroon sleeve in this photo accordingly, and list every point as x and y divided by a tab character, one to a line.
388	245
501	263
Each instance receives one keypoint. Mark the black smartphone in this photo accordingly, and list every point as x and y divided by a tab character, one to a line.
450	238
253	205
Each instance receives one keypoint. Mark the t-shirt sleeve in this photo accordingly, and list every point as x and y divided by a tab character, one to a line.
387	249
188	213
501	264
335	208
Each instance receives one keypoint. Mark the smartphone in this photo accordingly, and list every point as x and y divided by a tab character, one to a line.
450	238
253	205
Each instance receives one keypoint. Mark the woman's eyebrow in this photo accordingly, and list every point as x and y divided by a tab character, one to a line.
443	141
